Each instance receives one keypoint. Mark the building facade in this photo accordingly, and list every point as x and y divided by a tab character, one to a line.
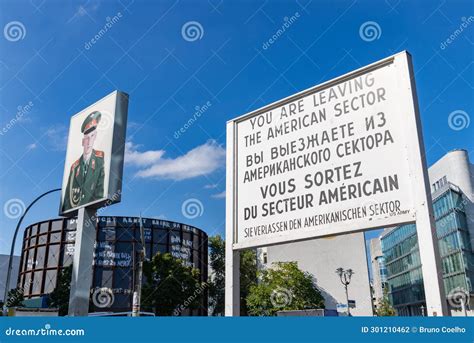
379	271
451	179
48	247
3	273
321	257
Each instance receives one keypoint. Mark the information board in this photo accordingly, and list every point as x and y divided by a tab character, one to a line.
332	159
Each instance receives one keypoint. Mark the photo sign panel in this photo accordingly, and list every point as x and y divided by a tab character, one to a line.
95	153
330	160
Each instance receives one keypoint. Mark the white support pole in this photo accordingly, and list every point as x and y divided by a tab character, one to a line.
81	280
435	296
232	258
232	283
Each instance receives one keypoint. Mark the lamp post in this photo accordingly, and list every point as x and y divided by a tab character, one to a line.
12	249
345	276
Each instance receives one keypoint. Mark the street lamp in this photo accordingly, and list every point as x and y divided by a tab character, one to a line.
12	249
345	276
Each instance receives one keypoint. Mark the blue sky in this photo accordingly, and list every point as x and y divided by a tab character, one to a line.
55	70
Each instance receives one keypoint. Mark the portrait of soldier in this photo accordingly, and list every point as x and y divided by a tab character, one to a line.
86	176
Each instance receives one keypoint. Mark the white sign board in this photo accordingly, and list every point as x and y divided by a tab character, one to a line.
95	152
343	156
329	160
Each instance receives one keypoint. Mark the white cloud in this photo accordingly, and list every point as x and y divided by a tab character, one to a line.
211	186
220	195
31	146
141	159
57	137
202	160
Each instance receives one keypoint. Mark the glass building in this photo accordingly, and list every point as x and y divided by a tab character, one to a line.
402	258
48	247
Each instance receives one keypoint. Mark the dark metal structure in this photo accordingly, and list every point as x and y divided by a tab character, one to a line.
48	247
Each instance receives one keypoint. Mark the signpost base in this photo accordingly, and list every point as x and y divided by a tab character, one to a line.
82	263
232	281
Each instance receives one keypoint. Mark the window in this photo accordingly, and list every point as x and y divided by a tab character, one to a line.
50	281
40	257
38	276
42	239
53	256
160	236
34	230
57	225
55	237
44	227
265	258
124	233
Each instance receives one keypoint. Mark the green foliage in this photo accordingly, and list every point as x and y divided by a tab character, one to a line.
15	297
283	287
59	298
170	286
248	277
385	308
217	279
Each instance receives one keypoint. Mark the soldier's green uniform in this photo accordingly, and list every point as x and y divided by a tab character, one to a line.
86	182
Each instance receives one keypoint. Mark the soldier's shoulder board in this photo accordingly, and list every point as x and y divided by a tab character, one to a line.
75	164
99	153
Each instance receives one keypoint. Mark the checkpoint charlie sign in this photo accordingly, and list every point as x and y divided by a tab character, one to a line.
341	157
330	160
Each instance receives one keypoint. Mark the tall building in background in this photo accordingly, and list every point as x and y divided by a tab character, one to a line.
452	182
379	271
321	257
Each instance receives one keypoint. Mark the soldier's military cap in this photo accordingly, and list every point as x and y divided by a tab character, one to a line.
91	122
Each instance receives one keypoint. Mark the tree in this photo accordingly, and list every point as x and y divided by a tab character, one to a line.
217	279
248	276
170	286
385	308
15	297
283	287
59	297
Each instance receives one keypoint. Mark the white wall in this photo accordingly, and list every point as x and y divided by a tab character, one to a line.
321	257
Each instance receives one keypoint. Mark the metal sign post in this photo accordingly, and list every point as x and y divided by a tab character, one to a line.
232	257
81	280
436	304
